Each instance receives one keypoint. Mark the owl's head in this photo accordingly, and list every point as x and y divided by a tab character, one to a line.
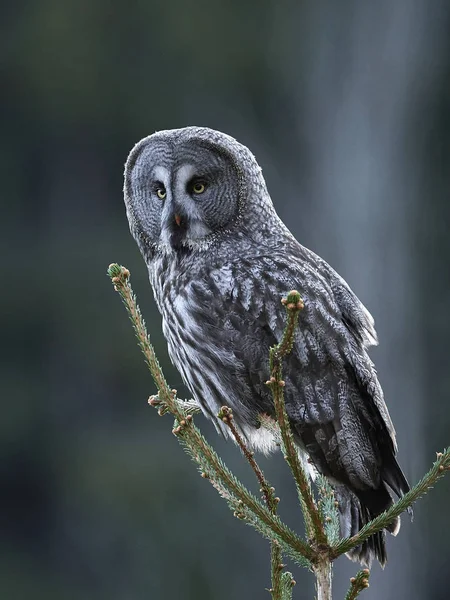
187	188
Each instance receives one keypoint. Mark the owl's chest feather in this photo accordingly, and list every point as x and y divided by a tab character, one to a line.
185	303
202	343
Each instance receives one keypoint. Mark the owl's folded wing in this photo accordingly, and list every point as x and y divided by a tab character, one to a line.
333	396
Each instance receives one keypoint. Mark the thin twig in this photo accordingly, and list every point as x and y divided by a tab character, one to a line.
226	415
357	584
313	522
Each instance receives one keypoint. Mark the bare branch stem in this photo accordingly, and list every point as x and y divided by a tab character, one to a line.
226	415
323	574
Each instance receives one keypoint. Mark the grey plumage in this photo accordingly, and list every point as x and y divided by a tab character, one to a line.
220	259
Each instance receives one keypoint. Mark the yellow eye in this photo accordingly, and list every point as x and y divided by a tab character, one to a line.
198	187
161	193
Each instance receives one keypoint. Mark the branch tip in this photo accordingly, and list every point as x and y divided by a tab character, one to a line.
358	584
439	468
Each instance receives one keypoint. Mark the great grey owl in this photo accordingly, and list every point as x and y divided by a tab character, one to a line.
220	259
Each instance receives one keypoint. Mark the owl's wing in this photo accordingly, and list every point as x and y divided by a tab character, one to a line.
354	314
333	397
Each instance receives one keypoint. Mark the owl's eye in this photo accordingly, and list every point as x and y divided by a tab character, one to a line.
198	187
161	193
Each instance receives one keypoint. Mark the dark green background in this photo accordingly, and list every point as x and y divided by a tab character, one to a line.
346	106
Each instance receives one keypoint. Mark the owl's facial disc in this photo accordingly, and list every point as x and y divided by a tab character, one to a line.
180	194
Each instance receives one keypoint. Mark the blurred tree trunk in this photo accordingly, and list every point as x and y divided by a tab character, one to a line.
370	69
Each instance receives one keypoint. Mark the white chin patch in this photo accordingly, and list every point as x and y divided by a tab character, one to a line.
197	230
193	237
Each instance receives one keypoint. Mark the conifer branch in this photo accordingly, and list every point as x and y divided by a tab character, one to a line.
287	583
196	445
321	519
313	522
276	569
438	470
120	278
357	584
243	501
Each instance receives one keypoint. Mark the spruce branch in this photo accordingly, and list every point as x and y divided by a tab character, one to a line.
287	583
438	470
321	519
252	510
357	584
276	569
313	522
242	501
120	277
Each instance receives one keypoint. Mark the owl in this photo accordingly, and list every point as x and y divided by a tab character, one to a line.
220	260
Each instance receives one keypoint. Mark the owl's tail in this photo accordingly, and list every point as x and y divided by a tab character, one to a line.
354	514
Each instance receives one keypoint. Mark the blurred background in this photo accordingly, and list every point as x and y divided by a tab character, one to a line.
347	108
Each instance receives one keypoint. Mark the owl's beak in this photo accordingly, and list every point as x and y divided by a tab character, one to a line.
177	226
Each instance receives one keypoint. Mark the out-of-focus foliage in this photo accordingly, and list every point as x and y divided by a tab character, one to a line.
346	106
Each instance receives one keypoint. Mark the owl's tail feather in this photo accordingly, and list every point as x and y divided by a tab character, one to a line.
354	514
